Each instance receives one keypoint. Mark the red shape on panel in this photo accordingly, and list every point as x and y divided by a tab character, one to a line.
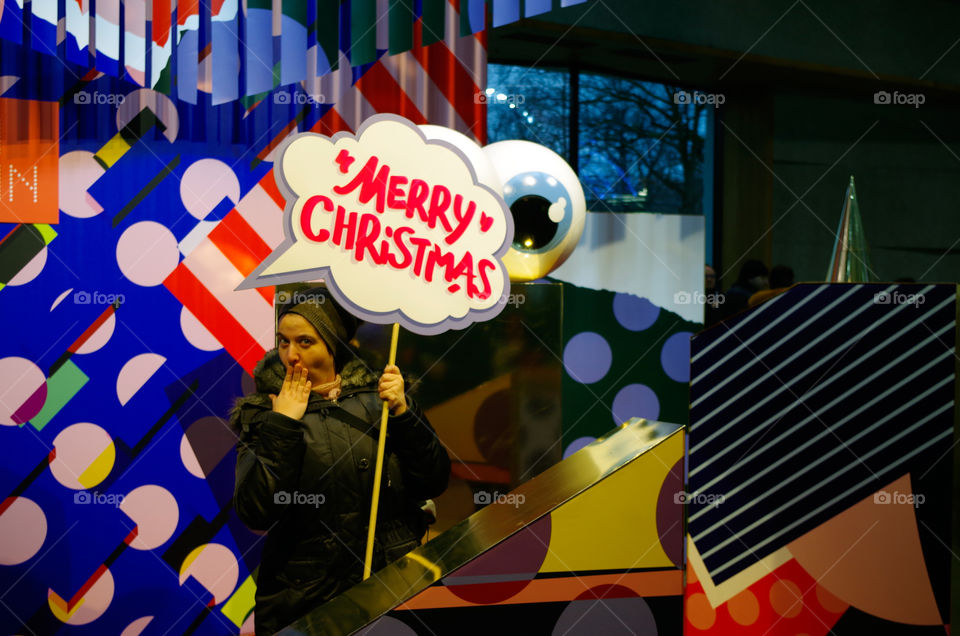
765	608
242	246
207	309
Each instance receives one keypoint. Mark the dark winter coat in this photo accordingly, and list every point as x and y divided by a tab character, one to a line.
309	485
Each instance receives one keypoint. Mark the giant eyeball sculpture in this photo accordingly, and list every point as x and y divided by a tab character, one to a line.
547	202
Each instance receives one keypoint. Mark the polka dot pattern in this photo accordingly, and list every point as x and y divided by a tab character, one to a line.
635	400
577	444
147	253
587	357
675	356
786	601
744	608
786	598
634	313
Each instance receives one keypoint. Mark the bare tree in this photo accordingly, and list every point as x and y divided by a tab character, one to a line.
641	143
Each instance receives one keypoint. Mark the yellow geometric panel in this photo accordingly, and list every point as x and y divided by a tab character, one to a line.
99	468
238	607
613	525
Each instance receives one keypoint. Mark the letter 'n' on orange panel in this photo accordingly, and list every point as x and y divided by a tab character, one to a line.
29	155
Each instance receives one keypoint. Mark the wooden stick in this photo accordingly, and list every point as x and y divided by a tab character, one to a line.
378	472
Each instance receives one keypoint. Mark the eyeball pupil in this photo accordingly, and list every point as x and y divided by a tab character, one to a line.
532	227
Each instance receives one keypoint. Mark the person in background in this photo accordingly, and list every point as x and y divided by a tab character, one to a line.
713	303
781	278
753	278
306	460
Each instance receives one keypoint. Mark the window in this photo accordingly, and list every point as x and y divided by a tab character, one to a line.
640	146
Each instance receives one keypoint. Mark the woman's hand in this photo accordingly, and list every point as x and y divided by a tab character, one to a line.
294	394
391	390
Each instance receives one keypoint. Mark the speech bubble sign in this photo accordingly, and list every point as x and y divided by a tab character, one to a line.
396	224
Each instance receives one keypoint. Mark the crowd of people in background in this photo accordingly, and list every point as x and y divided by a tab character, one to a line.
754	285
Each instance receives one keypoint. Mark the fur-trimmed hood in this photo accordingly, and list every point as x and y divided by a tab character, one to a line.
269	373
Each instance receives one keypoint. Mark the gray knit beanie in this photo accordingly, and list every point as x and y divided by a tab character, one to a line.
334	324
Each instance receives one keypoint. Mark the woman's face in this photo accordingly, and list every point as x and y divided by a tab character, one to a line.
298	341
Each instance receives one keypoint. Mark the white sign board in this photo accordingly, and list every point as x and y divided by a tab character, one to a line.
397	225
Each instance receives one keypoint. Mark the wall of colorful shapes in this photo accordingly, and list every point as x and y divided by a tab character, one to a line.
820	465
129	216
136	193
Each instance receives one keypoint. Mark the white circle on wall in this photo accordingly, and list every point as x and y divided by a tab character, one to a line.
77	171
60	299
196	333
136	627
147	253
23	527
156	513
136	372
99	337
31	270
24	391
189	458
204	185
85	456
91	607
215	567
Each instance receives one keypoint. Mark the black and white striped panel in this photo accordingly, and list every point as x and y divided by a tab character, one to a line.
809	403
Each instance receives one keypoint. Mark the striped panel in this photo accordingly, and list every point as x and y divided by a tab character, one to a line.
188	49
328	36
363	32
293	41
43	26
279	42
237	241
505	12
77	25
161	46
134	41
217	274
205	280
107	25
401	18
225	52
473	20
809	403
221	323
258	44
11	21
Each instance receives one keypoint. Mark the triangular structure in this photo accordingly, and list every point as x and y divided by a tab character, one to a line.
849	262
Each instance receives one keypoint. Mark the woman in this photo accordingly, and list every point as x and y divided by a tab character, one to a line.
306	459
